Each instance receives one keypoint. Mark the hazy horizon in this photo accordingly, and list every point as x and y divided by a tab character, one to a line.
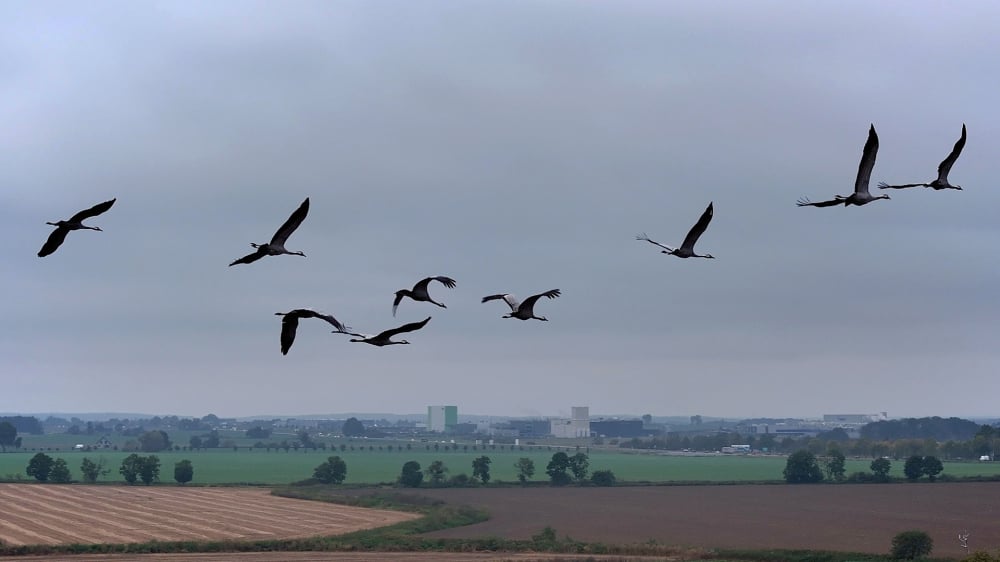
516	147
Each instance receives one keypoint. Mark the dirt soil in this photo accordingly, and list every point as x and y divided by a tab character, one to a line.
861	518
346	557
49	514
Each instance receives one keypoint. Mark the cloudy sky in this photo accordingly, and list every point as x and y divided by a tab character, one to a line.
517	147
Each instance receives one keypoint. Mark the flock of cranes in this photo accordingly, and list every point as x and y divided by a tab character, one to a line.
862	196
520	310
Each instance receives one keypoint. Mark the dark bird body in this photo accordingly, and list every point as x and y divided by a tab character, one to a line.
419	292
74	223
687	248
861	196
942	180
524	310
383	338
276	246
290	323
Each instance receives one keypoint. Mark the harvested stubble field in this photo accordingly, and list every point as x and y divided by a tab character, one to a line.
46	514
859	518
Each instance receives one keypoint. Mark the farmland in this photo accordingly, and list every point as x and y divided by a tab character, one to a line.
860	518
117	514
225	466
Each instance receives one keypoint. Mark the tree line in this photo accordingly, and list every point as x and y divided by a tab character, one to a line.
804	467
134	468
874	442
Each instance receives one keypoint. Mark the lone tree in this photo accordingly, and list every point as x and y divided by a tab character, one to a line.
436	472
183	471
92	470
801	468
60	472
578	465
909	545
880	468
40	466
932	467
411	477
8	435
353	428
333	471
154	441
525	469
914	468
130	468
481	468
556	469
150	469
835	465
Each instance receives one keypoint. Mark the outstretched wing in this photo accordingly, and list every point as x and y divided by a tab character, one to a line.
332	321
529	303
93	211
867	163
803	202
396	301
646	238
508	298
310	313
947	163
421	286
55	240
883	185
446	281
289	323
291	224
250	258
698	228
411	327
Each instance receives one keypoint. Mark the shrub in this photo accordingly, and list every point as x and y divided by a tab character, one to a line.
333	471
603	478
547	535
183	471
981	556
909	545
860	477
411	476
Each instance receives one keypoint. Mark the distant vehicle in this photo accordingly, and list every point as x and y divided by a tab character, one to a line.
79	446
985	458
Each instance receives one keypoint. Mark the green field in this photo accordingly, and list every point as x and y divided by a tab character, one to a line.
225	466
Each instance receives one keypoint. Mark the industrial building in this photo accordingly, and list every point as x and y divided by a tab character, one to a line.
441	418
578	425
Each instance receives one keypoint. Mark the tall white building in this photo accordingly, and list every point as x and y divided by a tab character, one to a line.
578	425
441	418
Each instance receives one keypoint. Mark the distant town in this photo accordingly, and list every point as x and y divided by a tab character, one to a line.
446	421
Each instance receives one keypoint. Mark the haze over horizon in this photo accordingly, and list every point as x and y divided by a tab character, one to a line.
516	147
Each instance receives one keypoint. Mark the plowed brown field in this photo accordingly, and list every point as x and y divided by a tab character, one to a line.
46	514
860	518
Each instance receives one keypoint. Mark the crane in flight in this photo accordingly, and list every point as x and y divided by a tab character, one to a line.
276	246
74	223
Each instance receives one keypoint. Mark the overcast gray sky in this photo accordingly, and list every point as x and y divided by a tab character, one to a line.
517	147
